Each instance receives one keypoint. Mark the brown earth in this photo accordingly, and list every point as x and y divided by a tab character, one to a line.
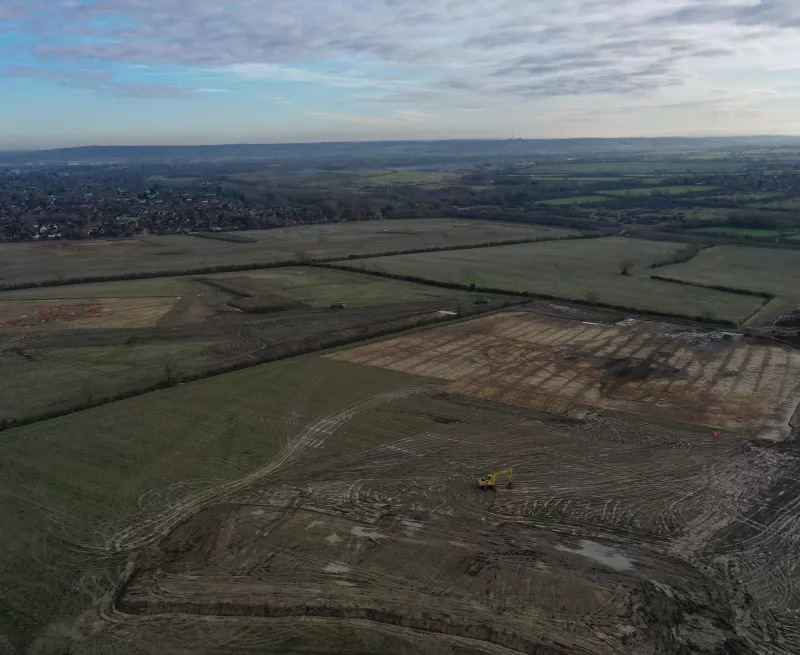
556	365
600	546
95	313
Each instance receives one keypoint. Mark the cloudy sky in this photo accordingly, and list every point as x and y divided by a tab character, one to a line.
78	72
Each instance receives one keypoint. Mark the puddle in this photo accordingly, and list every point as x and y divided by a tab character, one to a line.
601	554
369	533
333	567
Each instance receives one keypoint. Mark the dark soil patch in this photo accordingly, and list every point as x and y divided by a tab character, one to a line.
265	304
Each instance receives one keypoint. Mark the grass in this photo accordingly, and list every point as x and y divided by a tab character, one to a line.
576	200
658	190
402	178
66	369
638	167
756	269
579	270
31	262
737	231
321	287
69	481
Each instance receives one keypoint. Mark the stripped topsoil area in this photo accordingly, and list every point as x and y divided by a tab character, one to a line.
717	379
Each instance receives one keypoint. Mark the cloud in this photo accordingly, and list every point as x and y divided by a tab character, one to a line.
432	52
98	81
210	90
394	118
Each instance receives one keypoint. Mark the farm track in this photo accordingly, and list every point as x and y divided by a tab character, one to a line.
146	530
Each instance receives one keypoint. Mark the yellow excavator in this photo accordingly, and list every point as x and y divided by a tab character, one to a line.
490	481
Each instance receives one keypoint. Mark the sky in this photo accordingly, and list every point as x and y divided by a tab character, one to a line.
103	72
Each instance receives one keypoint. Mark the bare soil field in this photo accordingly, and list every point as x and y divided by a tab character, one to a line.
33	262
321	506
560	366
98	313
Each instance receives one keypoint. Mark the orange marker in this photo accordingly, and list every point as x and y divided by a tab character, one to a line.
717	433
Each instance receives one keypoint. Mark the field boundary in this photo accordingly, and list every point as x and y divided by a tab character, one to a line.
716	287
532	294
283	263
275	353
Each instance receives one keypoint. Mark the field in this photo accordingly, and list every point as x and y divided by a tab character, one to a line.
638	167
737	231
576	200
658	190
589	269
323	505
560	366
53	315
756	269
33	261
71	344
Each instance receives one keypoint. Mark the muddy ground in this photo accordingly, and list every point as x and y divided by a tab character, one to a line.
618	536
630	527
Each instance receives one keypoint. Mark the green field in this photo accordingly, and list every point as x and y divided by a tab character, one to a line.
736	231
766	270
639	167
69	484
657	190
582	270
32	261
576	200
402	178
62	369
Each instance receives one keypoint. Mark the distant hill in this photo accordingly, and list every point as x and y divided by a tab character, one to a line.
383	150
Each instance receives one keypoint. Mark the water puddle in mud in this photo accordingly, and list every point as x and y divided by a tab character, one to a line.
601	554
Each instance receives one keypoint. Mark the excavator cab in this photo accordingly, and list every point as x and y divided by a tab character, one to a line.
489	482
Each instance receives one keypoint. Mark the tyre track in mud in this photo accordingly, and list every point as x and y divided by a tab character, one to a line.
145	530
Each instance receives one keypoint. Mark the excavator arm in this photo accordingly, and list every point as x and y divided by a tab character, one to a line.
490	481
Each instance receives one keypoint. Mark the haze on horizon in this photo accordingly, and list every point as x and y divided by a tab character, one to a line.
78	72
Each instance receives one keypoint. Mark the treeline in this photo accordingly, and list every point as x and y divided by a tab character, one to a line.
679	256
305	261
715	287
270	354
703	318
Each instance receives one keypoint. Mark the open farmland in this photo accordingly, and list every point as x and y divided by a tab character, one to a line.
74	344
657	190
756	269
319	504
35	261
577	270
49	315
576	200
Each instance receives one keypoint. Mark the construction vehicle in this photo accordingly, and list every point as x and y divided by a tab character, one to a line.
481	301
490	481
338	305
